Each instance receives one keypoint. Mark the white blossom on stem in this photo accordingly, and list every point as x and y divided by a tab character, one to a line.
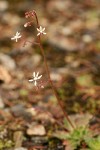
35	78
40	30
17	36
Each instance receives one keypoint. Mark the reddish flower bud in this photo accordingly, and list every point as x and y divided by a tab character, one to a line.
27	14
28	24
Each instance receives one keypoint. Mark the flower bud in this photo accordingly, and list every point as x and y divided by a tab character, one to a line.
27	14
25	25
28	24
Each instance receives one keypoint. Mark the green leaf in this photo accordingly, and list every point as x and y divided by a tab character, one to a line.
61	135
67	125
93	143
77	136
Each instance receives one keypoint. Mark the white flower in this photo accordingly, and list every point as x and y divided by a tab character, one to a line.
16	37
41	31
35	78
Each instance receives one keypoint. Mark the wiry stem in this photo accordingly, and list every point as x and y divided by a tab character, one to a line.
48	73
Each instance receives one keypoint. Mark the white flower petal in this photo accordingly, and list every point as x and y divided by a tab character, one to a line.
12	38
31	80
38	29
35	83
20	36
44	33
43	29
39	76
38	34
34	74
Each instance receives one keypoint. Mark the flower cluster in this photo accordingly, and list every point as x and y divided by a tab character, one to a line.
30	14
41	31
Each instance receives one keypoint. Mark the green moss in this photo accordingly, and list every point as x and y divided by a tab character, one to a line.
5	144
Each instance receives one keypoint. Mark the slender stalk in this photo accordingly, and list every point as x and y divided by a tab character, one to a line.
48	73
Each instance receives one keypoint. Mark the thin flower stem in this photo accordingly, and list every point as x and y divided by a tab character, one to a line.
48	73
